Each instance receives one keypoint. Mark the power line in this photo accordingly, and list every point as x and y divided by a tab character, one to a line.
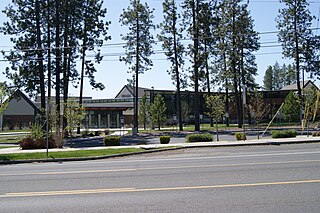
124	43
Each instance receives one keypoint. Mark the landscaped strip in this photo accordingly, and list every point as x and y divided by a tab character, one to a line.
5	147
67	154
11	139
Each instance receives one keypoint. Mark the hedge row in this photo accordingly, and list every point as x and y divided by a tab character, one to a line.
30	143
164	139
199	138
283	133
112	141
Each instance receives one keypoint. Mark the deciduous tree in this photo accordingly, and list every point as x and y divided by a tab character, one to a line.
216	110
158	111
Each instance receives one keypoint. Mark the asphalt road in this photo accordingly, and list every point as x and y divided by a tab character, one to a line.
240	179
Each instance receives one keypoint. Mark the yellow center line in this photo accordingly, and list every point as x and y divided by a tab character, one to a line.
160	168
130	190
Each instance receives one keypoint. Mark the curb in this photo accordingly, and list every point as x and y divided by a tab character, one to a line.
60	160
155	150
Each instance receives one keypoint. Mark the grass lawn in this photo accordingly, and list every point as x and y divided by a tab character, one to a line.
203	127
4	147
67	154
11	139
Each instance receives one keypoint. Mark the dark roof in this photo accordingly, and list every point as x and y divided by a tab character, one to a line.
141	90
18	94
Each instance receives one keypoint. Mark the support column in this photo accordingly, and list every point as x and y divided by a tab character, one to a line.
118	120
99	120
108	120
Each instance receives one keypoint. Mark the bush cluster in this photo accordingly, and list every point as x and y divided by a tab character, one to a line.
112	141
97	133
164	139
39	143
316	134
283	133
240	136
199	138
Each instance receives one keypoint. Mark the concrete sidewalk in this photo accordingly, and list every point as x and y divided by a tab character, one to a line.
267	141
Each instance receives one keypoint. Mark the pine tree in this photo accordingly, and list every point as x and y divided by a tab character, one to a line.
191	21
290	75
291	108
139	40
27	69
294	22
237	42
268	79
278	77
171	35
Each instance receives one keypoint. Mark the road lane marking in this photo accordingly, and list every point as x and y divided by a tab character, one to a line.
130	190
159	168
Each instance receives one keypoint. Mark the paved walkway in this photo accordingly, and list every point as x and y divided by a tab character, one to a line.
176	142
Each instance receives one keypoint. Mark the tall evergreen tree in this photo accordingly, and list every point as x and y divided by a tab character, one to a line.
139	40
290	74
276	76
294	22
222	66
191	21
236	44
25	25
268	79
171	37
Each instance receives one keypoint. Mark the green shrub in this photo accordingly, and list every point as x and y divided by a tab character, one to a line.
240	136
40	143
284	133
106	131
164	139
37	132
90	134
97	133
84	133
199	138
112	141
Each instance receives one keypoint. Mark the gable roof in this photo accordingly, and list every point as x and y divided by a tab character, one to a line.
293	87
18	94
130	89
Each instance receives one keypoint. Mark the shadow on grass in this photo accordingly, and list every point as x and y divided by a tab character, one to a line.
5	158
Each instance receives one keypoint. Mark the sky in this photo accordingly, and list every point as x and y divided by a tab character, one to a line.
114	74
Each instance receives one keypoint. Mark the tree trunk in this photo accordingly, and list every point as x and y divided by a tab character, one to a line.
297	60
65	60
177	74
40	63
195	13
136	98
235	74
58	60
84	48
207	73
217	129
227	87
49	59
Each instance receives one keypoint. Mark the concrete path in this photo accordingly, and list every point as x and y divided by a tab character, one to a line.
176	142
